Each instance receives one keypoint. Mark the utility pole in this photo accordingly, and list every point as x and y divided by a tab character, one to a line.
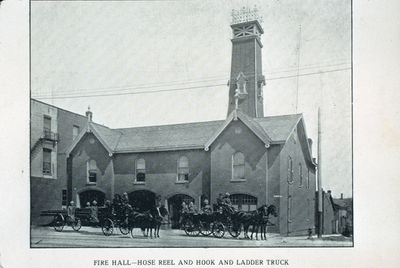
320	209
298	68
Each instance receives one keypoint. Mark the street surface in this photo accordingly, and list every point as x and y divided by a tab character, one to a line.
93	237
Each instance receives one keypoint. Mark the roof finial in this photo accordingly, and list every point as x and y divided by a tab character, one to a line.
89	114
246	14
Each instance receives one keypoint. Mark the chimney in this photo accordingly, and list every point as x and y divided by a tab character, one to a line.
89	115
310	144
341	196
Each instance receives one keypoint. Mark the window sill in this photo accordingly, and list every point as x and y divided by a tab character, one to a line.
181	182
48	176
139	182
90	183
236	180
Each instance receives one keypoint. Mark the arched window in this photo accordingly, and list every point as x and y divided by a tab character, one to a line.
301	175
140	170
290	170
238	166
183	169
91	171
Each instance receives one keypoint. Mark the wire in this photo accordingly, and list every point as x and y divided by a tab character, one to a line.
169	83
177	89
128	93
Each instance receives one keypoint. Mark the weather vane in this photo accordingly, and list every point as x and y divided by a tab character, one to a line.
246	14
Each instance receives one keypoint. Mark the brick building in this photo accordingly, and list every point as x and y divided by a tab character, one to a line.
257	159
52	131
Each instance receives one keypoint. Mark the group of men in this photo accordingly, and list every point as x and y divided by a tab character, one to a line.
223	200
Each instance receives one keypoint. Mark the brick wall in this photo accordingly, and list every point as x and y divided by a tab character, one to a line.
229	142
302	198
161	173
90	148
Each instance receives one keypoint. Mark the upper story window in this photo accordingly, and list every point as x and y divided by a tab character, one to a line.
140	170
238	166
301	174
75	132
183	169
91	172
290	171
47	123
47	162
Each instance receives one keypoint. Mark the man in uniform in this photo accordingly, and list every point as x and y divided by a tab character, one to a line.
206	209
71	211
227	203
94	213
192	208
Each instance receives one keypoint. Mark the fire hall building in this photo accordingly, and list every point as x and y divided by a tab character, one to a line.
257	159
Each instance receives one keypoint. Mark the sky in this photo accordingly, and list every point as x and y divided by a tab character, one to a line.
106	48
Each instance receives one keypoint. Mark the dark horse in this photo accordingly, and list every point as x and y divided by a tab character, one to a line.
254	218
144	221
158	216
263	220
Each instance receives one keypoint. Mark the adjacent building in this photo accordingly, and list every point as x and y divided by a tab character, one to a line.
52	131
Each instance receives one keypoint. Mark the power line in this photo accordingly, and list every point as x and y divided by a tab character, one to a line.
307	74
166	83
138	86
177	89
128	93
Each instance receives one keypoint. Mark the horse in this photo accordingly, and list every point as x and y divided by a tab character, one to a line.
262	220
158	216
145	221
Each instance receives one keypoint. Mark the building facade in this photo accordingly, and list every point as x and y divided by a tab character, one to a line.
258	160
52	131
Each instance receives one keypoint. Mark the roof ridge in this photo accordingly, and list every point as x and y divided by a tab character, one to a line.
171	125
281	115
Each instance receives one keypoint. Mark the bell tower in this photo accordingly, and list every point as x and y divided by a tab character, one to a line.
246	79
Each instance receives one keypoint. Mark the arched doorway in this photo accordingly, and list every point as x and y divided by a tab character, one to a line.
142	200
90	196
244	202
175	206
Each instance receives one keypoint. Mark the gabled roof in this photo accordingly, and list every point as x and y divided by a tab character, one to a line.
107	137
279	127
199	135
166	137
249	122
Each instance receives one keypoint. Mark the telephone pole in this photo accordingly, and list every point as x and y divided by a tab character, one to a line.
320	208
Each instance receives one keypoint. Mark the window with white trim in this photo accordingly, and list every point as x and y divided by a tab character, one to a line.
47	166
140	170
183	169
91	172
238	166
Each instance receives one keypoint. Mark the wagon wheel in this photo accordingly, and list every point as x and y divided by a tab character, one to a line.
124	227
107	227
218	230
58	222
205	228
76	224
191	229
234	229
